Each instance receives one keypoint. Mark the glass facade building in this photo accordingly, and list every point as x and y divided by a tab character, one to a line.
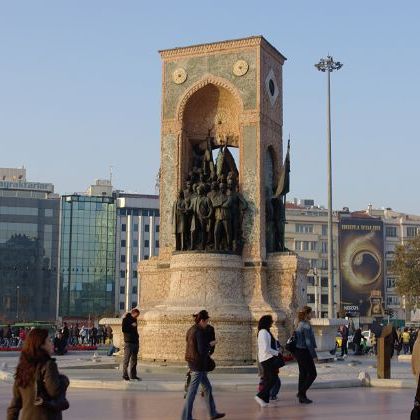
87	256
29	233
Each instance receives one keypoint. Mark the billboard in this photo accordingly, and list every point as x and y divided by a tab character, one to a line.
361	244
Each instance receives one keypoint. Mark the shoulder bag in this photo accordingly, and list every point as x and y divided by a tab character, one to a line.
42	398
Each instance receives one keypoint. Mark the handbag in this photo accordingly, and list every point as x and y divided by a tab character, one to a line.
291	343
42	398
279	361
211	364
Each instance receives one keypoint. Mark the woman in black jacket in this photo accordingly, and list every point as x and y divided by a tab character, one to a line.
36	362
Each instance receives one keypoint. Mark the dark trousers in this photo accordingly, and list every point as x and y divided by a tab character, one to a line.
418	390
269	379
307	370
130	357
344	347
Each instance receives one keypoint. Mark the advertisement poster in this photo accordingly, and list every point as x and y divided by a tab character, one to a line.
361	266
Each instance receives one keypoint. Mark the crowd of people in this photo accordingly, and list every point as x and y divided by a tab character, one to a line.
403	340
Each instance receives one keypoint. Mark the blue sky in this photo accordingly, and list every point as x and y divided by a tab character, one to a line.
80	89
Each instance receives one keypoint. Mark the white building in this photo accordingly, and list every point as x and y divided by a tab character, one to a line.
137	238
306	233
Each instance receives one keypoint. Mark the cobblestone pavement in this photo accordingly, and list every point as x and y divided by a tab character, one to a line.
351	403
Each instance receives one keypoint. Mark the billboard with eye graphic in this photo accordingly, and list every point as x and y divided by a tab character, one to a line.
361	243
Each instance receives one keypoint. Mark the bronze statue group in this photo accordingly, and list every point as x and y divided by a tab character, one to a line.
208	212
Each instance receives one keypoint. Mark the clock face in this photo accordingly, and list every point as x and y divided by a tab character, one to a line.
179	76
240	68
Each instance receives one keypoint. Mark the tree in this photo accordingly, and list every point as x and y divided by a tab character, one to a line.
406	267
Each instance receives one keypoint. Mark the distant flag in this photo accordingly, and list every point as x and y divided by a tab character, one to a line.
283	186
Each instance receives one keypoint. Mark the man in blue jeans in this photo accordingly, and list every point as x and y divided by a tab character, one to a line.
198	357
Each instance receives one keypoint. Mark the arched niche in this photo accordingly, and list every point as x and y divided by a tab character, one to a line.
211	108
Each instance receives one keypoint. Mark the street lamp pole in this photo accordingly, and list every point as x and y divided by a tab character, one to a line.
17	303
329	65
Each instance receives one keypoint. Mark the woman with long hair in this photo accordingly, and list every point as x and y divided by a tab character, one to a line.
39	390
305	353
266	354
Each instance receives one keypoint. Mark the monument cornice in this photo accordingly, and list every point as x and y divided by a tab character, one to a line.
214	47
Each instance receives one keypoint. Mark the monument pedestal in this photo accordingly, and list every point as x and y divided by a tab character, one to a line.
235	294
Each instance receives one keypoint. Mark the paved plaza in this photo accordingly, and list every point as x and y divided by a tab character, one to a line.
337	392
354	403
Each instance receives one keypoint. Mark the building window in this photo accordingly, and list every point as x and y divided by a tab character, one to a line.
135	258
324	247
390	283
48	212
411	231
324	230
304	228
146	243
123	227
310	298
393	300
157	228
156	244
122	243
134	274
122	306
312	263
324	281
389	265
123	258
122	273
391	231
136	227
324	299
311	280
134	304
324	264
147	228
305	245
134	289
122	290
135	243
146	257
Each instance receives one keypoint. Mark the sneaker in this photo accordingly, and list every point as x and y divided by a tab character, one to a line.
218	416
136	378
305	400
126	378
274	398
261	402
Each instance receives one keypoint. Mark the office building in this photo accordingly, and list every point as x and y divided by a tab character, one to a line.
137	238
87	253
29	234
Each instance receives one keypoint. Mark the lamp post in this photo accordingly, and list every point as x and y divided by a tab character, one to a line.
329	65
17	303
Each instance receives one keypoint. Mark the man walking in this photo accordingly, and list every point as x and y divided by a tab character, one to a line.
199	362
131	344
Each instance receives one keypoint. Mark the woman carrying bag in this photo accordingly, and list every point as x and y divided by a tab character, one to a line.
270	360
305	353
39	390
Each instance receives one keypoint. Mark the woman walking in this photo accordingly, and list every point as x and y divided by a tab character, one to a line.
39	390
305	353
266	356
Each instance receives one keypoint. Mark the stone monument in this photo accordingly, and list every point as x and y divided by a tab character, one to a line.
221	222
